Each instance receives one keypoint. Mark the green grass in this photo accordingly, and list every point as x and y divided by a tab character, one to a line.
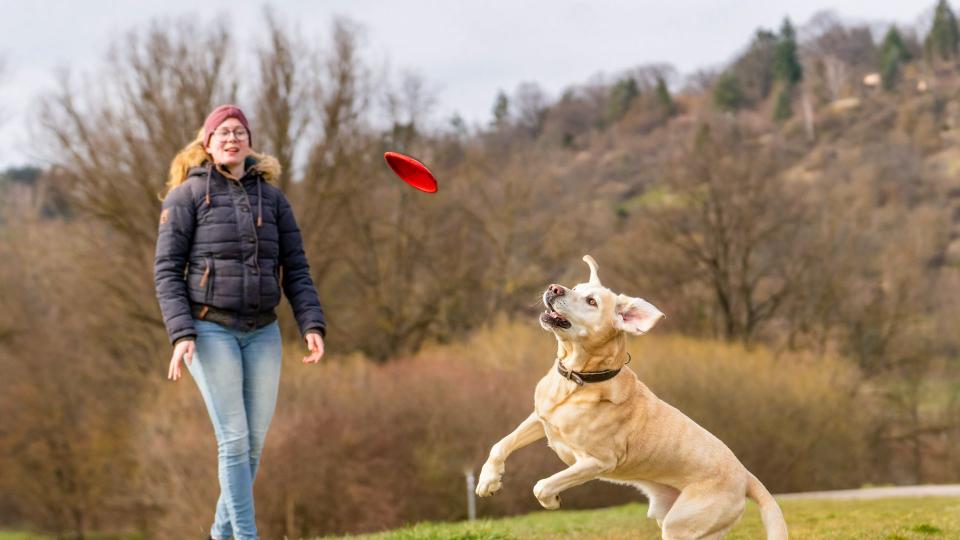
5	535
886	519
930	518
11	535
656	197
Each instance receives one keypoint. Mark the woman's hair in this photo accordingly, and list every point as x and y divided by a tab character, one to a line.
192	155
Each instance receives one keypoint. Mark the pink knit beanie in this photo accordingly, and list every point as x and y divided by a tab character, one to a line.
217	117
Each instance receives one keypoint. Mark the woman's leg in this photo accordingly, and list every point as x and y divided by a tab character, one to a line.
217	369
261	369
261	351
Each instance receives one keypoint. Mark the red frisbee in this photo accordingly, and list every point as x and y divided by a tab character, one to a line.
411	171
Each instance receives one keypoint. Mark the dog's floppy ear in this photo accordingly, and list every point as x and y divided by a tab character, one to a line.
636	315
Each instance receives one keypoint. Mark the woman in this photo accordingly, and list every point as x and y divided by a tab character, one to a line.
228	243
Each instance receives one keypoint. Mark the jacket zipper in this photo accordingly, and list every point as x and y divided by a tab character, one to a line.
256	243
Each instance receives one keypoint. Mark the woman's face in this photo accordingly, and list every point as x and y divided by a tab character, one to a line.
230	143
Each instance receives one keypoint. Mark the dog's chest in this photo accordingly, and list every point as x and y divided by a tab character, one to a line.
575	419
557	442
561	426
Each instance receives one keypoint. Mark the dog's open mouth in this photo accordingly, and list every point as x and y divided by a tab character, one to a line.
554	319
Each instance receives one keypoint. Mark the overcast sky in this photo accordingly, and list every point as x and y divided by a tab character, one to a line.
465	49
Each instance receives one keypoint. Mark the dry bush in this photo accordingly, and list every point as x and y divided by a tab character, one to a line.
796	421
363	447
65	396
176	482
920	121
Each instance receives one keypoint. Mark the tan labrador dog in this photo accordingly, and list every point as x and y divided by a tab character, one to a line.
604	423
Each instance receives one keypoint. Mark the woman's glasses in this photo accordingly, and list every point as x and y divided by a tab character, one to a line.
224	134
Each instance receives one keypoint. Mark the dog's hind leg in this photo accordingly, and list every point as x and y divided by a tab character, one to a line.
491	474
661	498
703	512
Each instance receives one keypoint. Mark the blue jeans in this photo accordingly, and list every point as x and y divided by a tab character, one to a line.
238	374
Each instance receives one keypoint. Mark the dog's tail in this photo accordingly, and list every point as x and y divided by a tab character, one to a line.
770	512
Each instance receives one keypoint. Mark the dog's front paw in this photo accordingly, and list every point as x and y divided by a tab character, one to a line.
490	480
548	500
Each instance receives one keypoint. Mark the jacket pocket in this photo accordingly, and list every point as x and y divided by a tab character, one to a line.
272	290
206	282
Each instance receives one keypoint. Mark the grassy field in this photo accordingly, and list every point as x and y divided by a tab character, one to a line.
10	535
929	518
885	519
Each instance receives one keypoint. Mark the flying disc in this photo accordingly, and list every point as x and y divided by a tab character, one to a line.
411	171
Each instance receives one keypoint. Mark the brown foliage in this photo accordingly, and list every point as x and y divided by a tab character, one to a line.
728	226
794	420
64	398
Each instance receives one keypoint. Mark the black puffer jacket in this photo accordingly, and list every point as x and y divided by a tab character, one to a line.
224	248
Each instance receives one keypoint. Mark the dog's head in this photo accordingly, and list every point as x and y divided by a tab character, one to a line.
591	312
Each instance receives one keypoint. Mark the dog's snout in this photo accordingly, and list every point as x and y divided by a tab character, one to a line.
555	289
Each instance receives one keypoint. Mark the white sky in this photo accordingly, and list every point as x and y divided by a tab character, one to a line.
465	49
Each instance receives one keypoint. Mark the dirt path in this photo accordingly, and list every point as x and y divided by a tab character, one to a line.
945	490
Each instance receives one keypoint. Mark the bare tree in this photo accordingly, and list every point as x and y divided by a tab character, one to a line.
408	107
531	107
732	228
826	35
836	76
647	75
111	140
287	82
339	140
701	80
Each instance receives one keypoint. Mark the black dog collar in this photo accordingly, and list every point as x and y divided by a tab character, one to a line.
581	377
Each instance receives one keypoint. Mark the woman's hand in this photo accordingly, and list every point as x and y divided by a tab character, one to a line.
315	344
182	350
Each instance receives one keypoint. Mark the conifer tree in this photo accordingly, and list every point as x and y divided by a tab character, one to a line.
786	70
727	94
786	64
754	69
663	97
944	39
893	53
501	108
621	96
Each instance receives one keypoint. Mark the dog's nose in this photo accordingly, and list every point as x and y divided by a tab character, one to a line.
555	289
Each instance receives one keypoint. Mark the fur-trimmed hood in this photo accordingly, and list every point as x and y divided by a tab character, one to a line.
265	164
194	161
189	162
194	155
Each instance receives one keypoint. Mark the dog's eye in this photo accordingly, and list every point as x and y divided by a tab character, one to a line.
592	302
